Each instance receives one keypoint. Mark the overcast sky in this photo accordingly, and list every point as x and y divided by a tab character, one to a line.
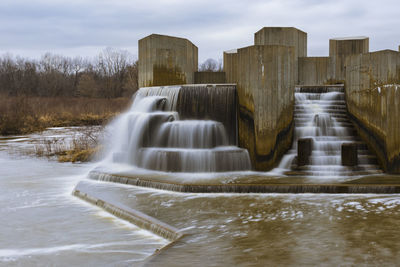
30	28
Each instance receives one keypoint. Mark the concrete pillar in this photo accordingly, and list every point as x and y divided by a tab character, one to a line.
286	36
340	48
265	86
231	65
349	154
166	60
304	150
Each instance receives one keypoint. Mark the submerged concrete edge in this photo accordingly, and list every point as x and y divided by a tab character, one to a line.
250	188
133	216
137	218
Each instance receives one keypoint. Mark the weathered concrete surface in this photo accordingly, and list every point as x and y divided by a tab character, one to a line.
373	102
265	85
231	65
340	49
203	77
287	36
315	71
166	60
349	154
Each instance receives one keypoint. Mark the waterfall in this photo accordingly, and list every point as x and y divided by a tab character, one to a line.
210	102
320	114
153	135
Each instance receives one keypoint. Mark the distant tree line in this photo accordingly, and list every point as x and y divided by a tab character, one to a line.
211	65
113	73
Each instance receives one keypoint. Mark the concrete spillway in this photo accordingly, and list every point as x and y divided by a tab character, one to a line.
181	129
320	114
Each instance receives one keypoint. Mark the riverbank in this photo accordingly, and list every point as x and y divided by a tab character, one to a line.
63	144
79	144
24	115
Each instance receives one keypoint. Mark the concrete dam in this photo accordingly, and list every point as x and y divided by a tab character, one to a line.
274	121
273	108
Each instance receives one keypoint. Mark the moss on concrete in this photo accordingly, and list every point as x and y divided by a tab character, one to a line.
163	75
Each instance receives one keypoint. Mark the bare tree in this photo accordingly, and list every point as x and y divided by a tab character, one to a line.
211	65
131	80
112	65
112	74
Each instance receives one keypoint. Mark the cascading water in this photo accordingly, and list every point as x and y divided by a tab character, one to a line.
151	136
320	113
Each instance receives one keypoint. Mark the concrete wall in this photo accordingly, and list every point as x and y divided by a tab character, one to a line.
265	85
207	77
166	60
231	65
315	71
373	101
340	48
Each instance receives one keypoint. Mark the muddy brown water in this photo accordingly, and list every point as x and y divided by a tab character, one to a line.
269	229
42	224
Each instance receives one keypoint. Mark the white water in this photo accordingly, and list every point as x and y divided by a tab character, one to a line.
322	116
150	135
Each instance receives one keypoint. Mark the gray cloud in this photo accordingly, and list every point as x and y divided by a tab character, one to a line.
31	28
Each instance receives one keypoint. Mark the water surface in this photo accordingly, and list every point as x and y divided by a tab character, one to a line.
42	224
270	229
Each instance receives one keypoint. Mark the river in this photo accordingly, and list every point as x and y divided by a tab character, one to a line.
42	224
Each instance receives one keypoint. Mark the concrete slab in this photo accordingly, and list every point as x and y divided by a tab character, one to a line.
252	183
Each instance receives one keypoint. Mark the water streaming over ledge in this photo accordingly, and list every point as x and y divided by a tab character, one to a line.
151	135
320	114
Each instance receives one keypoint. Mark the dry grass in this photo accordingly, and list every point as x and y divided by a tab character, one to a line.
83	146
22	115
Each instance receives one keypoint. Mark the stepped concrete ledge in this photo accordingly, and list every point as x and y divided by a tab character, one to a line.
254	183
131	215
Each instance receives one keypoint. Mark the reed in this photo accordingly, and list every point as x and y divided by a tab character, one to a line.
83	146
